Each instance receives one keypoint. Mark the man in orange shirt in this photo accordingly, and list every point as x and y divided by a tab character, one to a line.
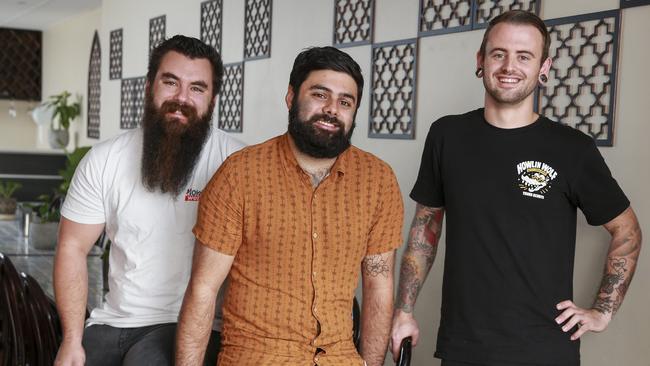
291	221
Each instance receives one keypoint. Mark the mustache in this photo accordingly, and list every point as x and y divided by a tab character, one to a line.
172	106
326	118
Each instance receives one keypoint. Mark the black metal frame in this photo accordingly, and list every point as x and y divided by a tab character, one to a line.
409	100
632	3
212	23
157	31
260	26
424	31
339	20
132	102
476	24
94	88
467	22
608	106
231	98
115	55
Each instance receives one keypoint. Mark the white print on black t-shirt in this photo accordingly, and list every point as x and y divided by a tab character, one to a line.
535	178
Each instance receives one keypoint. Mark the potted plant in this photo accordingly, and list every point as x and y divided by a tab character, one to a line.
62	115
7	202
47	212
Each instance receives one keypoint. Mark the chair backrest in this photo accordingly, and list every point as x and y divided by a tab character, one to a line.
12	308
29	324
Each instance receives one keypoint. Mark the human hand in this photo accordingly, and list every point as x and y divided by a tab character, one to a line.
587	319
404	325
70	354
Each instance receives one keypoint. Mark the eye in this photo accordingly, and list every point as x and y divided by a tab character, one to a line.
169	82
319	95
198	89
524	57
346	103
498	55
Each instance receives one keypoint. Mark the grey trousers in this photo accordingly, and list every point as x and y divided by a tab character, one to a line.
152	345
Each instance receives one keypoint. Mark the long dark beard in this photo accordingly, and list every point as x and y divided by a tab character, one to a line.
170	148
317	143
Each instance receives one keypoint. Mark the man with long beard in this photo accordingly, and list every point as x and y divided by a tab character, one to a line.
293	220
142	187
507	296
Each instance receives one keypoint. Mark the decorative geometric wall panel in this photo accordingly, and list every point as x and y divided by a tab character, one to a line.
231	99
581	89
631	3
20	64
94	88
444	16
157	31
257	29
115	55
486	10
211	23
392	93
353	22
132	102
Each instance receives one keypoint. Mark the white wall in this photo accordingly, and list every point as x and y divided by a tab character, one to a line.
446	84
20	132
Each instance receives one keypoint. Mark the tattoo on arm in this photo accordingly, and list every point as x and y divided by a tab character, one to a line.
375	265
419	254
621	263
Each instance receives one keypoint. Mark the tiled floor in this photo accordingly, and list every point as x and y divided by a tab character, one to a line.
39	263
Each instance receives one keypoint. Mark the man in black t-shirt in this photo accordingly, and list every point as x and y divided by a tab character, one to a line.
510	182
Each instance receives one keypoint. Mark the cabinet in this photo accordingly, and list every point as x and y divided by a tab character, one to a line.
20	64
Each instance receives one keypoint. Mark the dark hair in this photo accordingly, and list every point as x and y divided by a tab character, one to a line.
325	58
189	47
519	17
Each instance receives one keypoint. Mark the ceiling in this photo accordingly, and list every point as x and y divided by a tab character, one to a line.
41	14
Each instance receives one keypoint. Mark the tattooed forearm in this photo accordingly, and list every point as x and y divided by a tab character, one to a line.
419	254
621	262
375	265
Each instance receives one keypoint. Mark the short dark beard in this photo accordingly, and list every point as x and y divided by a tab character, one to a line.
170	149
316	143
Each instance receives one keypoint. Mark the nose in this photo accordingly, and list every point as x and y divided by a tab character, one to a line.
508	64
331	107
182	94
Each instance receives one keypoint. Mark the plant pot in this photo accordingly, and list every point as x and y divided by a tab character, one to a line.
43	235
7	207
58	139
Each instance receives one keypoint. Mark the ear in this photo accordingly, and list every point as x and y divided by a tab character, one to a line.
479	59
289	97
546	66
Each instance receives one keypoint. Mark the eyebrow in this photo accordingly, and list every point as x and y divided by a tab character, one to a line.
518	52
324	88
169	75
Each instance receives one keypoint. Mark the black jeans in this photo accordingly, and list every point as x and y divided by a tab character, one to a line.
152	345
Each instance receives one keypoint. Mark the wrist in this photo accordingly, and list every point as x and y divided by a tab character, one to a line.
403	314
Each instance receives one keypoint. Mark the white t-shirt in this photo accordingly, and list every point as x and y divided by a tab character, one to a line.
151	233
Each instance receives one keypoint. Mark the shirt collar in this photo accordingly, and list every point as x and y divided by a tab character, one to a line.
340	165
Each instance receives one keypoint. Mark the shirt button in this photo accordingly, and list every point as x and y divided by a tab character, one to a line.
314	235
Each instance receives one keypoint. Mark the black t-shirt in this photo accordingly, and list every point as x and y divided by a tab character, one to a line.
510	197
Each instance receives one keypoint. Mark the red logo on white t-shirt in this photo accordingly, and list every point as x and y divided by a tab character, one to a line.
192	194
